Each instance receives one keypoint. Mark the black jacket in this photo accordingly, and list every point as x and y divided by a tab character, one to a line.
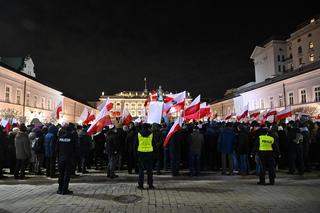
112	143
66	144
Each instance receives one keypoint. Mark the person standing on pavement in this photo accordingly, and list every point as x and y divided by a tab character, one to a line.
112	149
196	141
65	149
50	144
23	151
145	155
265	146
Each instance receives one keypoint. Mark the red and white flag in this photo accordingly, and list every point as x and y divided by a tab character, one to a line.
103	119
228	116
270	113
204	110
284	113
126	117
151	97
175	127
255	114
58	110
193	107
90	118
106	103
244	112
84	115
177	103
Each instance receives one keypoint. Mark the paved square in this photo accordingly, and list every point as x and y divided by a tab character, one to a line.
209	193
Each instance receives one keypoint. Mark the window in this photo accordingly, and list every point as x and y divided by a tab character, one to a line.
28	99
311	45
43	102
311	57
8	93
291	98
317	94
49	104
299	39
299	49
303	96
300	61
18	98
261	103
280	100
282	57
35	101
283	68
278	57
290	55
133	106
310	34
271	102
279	68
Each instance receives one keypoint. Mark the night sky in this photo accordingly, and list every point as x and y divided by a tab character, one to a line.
85	48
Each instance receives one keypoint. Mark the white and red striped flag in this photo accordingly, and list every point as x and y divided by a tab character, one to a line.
284	113
204	110
58	110
255	114
126	117
244	113
84	115
175	127
91	117
103	119
177	103
269	113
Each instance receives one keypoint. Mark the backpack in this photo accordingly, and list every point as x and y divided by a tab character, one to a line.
35	145
298	139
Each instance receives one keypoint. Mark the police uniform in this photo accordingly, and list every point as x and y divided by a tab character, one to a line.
266	147
66	148
145	155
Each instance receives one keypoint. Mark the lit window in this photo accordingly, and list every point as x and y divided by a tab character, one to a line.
317	94
280	100
43	101
311	45
291	98
28	99
303	96
271	102
48	104
35	101
18	96
261	103
7	94
311	57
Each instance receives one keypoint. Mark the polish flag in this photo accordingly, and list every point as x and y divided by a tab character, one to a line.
204	110
152	97
6	125
255	114
270	112
284	113
103	119
91	117
175	127
84	115
193	107
58	110
244	113
228	117
126	117
177	103
106	103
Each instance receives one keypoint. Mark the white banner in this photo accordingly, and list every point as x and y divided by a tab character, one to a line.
155	112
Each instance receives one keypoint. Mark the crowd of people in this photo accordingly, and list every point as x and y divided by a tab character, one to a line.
229	147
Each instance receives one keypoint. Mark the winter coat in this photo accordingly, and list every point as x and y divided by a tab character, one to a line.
131	141
22	145
84	143
66	147
112	143
243	146
196	141
226	141
50	142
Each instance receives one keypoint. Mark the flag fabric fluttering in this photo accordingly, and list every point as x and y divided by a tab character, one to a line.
175	127
151	97
84	115
176	104
204	110
287	112
90	118
244	112
103	119
255	114
270	113
126	117
58	110
228	117
106	103
193	107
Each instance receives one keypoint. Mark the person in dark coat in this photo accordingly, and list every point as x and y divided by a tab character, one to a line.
23	152
112	150
226	143
295	148
306	146
283	146
38	149
121	134
50	145
66	149
243	148
99	141
3	149
158	148
131	144
196	142
84	149
11	151
175	144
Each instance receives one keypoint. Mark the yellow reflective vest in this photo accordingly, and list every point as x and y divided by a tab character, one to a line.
265	143
145	143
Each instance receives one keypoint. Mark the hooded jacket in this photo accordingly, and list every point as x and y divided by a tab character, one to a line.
22	145
50	142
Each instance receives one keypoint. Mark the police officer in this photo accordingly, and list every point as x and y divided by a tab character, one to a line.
145	155
65	149
266	147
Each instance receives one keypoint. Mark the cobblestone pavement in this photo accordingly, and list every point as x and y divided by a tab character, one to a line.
209	193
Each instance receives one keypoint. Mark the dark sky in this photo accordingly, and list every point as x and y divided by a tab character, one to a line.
86	48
